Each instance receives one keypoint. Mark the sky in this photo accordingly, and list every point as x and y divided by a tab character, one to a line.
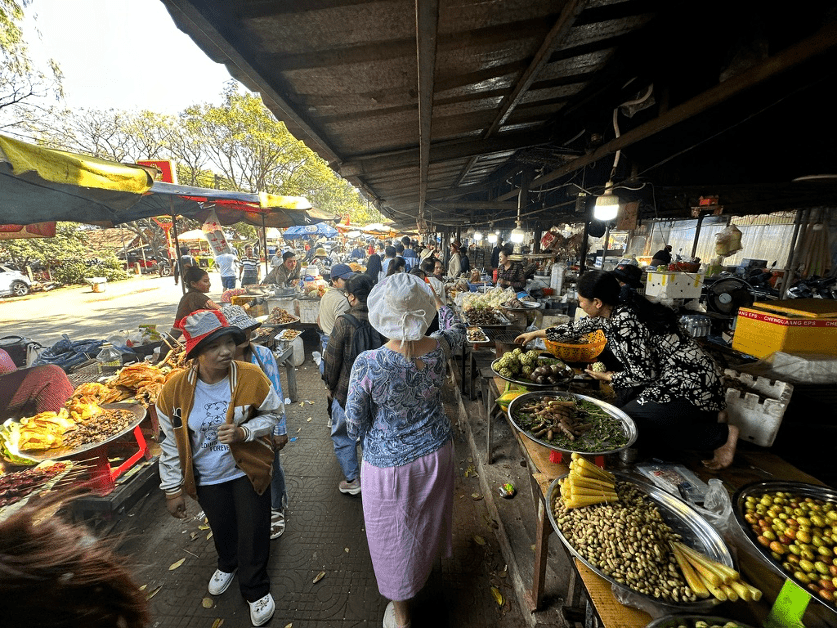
121	54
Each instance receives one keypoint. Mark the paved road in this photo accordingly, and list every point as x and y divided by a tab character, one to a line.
80	313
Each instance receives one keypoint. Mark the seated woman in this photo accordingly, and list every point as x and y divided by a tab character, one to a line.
197	283
667	384
33	390
395	405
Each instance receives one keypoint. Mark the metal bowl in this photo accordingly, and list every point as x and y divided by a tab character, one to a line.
628	424
800	489
690	620
565	377
695	531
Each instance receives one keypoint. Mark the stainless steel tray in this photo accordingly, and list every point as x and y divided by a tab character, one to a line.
484	340
500	321
695	531
566	377
676	620
63	453
805	490
628	424
527	305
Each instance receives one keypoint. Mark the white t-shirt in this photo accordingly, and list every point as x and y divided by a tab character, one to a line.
226	263
213	461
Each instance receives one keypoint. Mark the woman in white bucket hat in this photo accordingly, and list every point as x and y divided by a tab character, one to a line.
395	406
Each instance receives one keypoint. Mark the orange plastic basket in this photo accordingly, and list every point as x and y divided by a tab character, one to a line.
578	353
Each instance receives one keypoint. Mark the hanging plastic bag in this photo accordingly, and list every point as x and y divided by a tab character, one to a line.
717	507
728	241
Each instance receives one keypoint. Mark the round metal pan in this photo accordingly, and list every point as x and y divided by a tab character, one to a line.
63	453
565	377
695	531
805	490
628	424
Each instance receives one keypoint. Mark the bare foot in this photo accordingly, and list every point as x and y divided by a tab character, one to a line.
726	453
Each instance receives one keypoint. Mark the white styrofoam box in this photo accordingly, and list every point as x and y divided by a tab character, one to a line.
309	310
288	304
758	414
673	285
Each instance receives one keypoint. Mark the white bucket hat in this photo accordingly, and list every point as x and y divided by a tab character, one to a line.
401	307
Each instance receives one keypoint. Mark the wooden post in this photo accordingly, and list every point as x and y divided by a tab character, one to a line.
697	235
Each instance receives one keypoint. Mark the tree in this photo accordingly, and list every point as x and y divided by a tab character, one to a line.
24	89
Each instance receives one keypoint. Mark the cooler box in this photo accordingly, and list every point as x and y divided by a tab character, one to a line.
790	325
673	285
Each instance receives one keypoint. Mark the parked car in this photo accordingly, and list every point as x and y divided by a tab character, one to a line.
13	282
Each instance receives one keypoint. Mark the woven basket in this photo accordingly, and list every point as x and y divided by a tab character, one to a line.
581	353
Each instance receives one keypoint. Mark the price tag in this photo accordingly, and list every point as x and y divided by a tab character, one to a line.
789	607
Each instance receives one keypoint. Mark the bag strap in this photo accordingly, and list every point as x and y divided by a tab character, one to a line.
352	319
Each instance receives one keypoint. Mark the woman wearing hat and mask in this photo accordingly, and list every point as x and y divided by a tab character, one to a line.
249	352
667	384
218	417
394	404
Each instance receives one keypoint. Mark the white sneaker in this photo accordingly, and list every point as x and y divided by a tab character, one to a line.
262	610
220	581
277	524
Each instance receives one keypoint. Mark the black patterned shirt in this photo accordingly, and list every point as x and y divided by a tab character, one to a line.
665	366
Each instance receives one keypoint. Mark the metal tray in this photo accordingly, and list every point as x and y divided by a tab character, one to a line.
695	531
484	339
676	620
801	489
568	375
62	453
500	320
628	424
527	305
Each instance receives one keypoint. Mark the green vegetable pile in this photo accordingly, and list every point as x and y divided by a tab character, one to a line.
602	431
531	366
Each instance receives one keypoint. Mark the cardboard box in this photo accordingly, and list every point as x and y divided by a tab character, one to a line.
673	285
757	411
791	325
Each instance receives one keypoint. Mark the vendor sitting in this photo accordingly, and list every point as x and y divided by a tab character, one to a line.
286	274
510	273
31	391
662	257
666	383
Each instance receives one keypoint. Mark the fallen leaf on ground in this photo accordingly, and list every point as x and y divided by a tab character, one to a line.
208	603
497	595
504	572
209	535
142	587
476	496
308	420
218	622
290	624
319	577
302	403
479	540
153	592
177	564
309	401
346	549
532	547
193	536
203	527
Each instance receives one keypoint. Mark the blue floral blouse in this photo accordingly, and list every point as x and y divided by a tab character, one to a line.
267	361
665	366
395	407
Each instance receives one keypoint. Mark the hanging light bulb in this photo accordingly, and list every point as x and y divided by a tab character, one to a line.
477	236
607	205
517	234
492	237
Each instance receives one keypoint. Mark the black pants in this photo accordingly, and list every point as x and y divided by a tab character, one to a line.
240	522
675	426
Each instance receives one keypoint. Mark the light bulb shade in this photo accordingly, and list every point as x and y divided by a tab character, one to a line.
477	236
517	236
492	237
606	208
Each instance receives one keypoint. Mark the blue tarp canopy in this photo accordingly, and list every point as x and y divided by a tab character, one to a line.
310	232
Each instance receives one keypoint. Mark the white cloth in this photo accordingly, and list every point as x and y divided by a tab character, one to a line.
213	461
384	267
437	286
455	266
401	307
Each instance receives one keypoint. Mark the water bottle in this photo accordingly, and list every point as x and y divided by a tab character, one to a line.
556	281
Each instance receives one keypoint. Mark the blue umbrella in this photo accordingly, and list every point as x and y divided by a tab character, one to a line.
310	232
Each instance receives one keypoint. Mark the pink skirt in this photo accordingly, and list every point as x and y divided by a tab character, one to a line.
408	512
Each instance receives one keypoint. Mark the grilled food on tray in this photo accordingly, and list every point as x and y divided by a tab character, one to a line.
288	335
476	335
280	315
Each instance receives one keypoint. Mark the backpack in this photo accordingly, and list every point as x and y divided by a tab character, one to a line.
364	337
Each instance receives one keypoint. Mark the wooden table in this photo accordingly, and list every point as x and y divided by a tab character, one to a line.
750	466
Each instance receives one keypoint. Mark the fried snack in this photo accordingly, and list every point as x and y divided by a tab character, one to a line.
139	374
44	430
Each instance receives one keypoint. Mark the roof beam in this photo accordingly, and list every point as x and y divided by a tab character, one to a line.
271	8
427	24
556	34
474	205
440	152
819	43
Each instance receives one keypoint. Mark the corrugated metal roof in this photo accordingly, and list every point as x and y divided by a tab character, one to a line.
444	100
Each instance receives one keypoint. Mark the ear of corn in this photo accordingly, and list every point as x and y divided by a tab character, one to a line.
723	582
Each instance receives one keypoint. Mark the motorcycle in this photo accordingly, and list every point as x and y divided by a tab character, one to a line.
814	288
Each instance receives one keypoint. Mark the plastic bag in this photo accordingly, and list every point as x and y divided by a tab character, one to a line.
717	507
728	241
629	598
